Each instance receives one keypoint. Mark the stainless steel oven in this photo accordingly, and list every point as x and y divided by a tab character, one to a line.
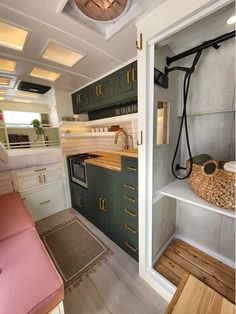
77	165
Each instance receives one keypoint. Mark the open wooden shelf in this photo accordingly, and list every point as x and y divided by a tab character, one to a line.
88	134
180	190
105	121
181	258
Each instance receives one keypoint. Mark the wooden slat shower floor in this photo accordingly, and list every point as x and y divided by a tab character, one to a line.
180	258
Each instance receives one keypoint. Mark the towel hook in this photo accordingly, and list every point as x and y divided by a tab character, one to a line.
140	45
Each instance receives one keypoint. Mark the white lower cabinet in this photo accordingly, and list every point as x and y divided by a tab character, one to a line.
45	201
5	182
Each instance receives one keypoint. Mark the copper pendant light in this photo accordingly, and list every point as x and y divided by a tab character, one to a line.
102	10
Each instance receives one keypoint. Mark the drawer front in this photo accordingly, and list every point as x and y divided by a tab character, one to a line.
130	167
130	246
5	183
130	227
129	186
46	201
129	200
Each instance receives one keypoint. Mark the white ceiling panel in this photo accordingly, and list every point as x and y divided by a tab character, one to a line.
45	22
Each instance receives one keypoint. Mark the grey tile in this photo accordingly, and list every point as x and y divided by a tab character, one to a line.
163	227
199	225
227	238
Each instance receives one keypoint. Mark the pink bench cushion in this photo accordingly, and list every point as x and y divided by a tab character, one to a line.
29	282
14	216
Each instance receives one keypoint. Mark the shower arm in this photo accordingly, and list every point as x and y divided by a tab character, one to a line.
210	43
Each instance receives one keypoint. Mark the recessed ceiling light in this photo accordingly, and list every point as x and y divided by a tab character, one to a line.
57	53
26	94
44	74
22	100
3	91
231	20
1	98
5	81
7	65
12	37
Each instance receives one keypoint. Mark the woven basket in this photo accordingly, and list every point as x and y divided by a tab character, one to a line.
213	183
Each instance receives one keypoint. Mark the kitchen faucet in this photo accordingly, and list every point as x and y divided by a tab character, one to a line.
126	137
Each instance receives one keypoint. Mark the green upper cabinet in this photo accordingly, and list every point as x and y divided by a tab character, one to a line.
125	79
114	89
80	101
100	92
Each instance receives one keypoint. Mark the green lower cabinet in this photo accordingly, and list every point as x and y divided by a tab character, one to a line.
104	185
80	200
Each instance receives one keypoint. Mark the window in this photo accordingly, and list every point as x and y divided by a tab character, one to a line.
18	117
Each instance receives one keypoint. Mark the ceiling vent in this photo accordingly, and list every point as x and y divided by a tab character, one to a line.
33	88
106	17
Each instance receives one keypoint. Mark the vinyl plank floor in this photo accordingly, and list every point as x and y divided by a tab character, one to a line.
114	286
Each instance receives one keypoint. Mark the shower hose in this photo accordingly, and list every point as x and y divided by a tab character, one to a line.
186	84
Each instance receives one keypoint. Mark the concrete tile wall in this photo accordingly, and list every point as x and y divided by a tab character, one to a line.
209	229
163	223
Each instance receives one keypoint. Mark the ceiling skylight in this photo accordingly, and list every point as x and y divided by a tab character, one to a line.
57	53
4	81
7	65
12	37
44	74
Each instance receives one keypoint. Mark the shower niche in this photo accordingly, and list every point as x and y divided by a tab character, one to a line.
188	233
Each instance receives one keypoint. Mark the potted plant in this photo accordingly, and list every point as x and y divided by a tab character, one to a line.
37	125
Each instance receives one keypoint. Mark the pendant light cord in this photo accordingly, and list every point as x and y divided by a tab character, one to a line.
186	84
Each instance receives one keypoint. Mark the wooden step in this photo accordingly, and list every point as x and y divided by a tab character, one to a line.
181	258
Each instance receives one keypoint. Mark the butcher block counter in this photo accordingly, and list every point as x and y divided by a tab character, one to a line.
109	160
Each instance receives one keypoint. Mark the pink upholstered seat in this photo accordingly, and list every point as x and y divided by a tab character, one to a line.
14	216
29	282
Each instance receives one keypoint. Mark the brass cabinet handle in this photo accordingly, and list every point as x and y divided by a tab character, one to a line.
132	169
44	178
78	200
100	203
130	229
128	186
103	204
97	90
129	212
46	202
79	98
128	76
100	89
130	247
139	45
141	139
40	179
133	75
129	199
42	169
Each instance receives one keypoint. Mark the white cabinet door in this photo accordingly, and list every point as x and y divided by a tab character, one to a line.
45	201
5	183
34	177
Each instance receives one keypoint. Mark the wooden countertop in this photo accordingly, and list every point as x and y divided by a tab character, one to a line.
193	296
109	160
